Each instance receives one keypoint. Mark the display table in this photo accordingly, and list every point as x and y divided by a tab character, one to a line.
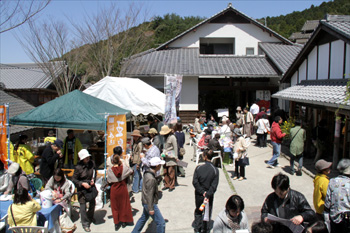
45	214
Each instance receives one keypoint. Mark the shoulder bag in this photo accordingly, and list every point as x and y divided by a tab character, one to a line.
268	131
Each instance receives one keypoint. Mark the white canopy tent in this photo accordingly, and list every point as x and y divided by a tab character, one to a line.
129	93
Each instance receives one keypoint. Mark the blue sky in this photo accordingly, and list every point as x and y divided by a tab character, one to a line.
12	52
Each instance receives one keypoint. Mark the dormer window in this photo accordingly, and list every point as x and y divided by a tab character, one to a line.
249	51
217	46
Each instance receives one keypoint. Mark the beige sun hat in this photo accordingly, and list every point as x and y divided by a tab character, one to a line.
84	153
153	131
165	130
136	133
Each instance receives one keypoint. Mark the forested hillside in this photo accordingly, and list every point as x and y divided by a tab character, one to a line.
293	22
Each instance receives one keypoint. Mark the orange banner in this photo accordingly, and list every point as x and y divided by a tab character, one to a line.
3	136
116	133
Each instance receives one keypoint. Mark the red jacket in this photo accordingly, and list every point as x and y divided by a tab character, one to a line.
276	134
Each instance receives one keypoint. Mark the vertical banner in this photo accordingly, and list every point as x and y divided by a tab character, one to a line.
3	136
172	89
116	133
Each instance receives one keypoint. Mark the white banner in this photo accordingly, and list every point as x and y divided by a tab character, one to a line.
172	90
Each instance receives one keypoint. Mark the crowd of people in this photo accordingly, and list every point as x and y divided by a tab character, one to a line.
156	158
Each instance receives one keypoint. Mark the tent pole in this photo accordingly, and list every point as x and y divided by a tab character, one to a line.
105	155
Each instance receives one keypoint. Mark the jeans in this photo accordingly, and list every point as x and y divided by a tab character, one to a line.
276	148
299	158
137	183
157	217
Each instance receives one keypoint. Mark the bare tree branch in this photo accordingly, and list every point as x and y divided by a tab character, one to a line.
16	13
49	45
111	35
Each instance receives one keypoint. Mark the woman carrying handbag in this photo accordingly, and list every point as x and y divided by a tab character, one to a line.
240	156
262	131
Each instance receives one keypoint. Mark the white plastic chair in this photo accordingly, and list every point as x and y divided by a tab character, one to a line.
27	229
3	222
217	157
199	150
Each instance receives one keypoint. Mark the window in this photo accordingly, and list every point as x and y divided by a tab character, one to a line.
249	51
217	46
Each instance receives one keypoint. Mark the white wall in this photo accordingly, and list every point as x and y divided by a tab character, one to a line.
323	60
246	35
312	65
302	71
294	79
337	59
347	63
189	94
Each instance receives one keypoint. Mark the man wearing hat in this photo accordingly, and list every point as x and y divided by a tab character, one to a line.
136	160
84	178
337	202
50	138
150	198
321	182
155	138
50	155
151	152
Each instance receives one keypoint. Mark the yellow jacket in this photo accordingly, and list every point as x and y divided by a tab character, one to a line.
320	190
25	158
50	139
12	158
25	215
77	148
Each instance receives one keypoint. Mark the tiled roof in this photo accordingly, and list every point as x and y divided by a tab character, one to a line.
228	8
300	35
318	93
310	25
281	55
16	106
23	76
188	61
342	27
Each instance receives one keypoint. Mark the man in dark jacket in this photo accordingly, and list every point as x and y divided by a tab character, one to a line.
150	197
49	157
84	178
286	203
214	145
205	182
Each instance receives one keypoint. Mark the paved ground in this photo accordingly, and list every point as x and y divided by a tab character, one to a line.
178	206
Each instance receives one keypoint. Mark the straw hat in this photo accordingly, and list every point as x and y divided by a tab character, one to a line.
136	133
153	131
83	154
164	130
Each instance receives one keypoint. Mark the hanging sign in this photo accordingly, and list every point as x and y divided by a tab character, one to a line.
3	136
116	133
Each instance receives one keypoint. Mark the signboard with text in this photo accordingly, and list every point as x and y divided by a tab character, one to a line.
116	133
3	136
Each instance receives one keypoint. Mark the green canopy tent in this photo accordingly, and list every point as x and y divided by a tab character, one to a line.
75	110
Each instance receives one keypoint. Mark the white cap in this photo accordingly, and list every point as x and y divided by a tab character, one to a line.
155	161
83	154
